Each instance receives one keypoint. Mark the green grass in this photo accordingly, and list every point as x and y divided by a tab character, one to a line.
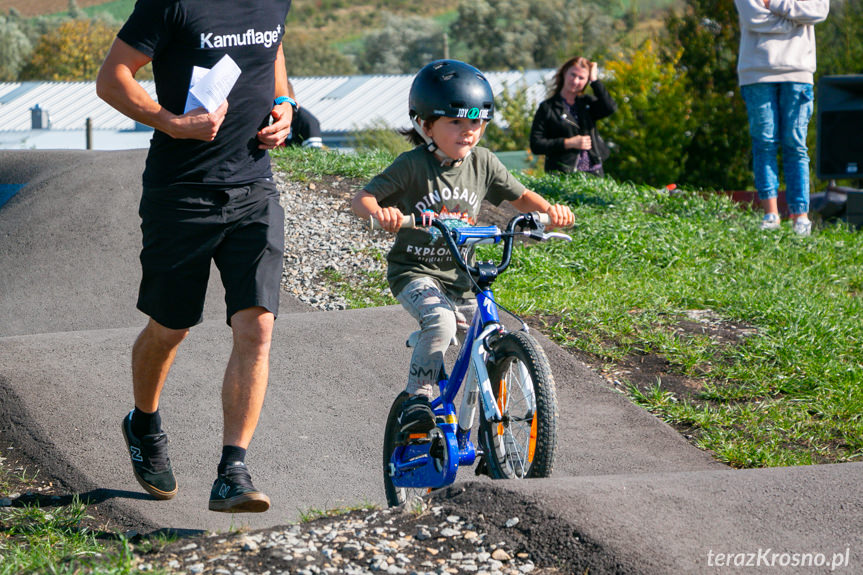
372	291
307	164
312	514
36	540
56	540
119	10
786	392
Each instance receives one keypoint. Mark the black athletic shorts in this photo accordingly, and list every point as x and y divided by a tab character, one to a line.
185	227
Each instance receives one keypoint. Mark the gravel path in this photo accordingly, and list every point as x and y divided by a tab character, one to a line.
395	541
321	233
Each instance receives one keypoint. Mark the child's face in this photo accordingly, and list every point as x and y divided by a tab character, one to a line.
455	136
575	80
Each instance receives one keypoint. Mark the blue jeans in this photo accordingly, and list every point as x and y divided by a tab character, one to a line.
779	114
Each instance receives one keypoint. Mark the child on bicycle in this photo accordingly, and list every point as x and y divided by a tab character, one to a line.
450	105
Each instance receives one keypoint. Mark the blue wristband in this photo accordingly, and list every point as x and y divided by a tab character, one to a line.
283	99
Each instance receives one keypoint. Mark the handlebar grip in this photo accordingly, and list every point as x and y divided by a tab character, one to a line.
407	222
544	219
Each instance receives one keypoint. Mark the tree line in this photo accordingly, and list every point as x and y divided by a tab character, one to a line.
680	115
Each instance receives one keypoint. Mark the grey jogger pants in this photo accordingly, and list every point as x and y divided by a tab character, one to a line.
436	313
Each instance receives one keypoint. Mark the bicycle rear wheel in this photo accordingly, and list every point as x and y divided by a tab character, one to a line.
523	443
397	495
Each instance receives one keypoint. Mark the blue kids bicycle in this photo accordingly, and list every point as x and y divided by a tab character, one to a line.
508	372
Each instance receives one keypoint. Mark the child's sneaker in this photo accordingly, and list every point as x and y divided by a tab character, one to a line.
150	463
233	492
802	226
770	222
417	415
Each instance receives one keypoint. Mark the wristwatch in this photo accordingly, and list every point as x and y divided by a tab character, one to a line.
289	100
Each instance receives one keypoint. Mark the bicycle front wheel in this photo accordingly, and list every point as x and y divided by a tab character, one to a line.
397	495
523	443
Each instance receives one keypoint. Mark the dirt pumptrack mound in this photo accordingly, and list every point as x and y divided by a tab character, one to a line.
628	494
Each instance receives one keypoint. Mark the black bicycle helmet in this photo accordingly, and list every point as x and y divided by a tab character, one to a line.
452	89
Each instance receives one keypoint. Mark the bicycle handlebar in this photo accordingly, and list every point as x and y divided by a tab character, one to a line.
535	223
411	221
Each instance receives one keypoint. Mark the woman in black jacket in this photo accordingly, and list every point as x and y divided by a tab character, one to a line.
564	126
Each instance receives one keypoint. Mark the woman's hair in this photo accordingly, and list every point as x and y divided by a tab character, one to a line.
557	82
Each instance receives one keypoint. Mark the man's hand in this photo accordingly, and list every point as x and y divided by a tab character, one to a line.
198	124
274	135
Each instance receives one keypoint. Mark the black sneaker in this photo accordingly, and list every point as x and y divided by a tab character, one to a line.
150	461
233	492
417	415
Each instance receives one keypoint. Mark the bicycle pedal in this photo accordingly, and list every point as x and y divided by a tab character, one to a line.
406	438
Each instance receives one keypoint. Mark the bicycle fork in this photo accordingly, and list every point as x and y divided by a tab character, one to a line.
478	378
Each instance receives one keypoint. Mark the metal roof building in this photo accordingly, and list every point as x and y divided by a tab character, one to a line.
53	115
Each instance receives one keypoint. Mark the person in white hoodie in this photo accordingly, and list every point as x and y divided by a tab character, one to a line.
775	68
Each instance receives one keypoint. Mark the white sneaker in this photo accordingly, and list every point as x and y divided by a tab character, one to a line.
802	226
770	222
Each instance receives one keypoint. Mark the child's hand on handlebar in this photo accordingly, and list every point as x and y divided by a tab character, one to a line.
560	215
390	218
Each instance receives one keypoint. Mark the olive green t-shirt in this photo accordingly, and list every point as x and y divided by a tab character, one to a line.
415	182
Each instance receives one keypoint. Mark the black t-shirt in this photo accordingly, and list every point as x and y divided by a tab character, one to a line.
180	34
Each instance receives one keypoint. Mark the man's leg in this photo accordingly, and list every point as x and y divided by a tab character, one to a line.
243	391
249	259
152	356
247	375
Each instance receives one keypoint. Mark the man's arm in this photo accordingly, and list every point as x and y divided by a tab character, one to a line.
281	75
274	135
116	85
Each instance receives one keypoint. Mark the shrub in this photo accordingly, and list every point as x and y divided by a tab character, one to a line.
652	128
703	45
73	51
377	136
510	129
15	48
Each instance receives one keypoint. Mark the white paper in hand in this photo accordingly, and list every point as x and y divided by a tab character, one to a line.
191	101
213	87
